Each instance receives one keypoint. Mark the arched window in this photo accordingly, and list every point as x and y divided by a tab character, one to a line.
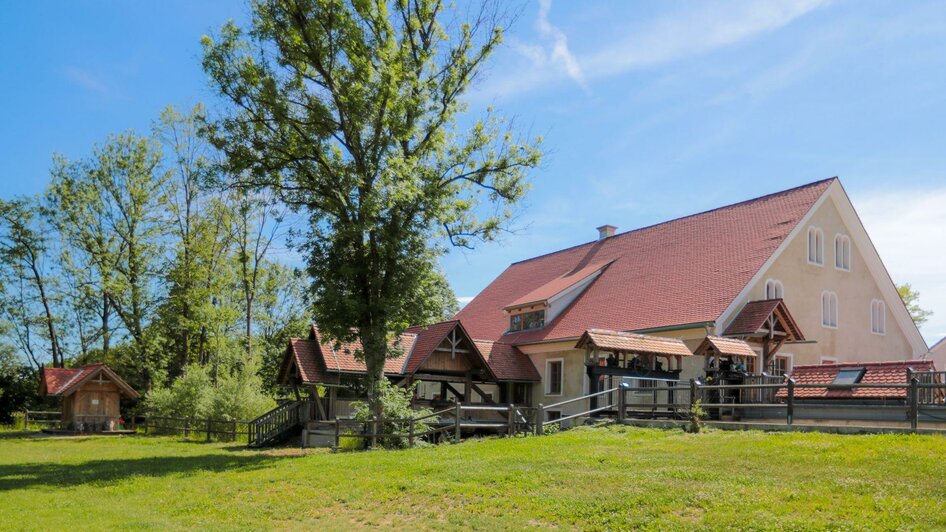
842	252
829	309
878	317
774	289
815	246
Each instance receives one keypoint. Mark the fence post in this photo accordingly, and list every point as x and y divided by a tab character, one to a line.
914	402
187	427
374	432
622	402
540	420
410	434
693	393
511	416
26	419
338	440
209	428
456	436
790	404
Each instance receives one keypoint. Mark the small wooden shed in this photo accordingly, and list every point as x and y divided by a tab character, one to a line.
90	396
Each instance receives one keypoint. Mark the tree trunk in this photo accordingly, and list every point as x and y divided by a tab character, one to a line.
50	324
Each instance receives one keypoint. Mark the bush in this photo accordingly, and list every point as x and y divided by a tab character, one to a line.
696	417
194	395
395	404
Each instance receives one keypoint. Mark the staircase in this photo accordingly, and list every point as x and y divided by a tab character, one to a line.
277	424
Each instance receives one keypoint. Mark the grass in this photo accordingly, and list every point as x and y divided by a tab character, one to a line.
589	478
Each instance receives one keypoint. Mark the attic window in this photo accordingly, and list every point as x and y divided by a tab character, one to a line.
527	320
847	377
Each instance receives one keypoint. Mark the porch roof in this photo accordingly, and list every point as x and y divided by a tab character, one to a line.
725	347
632	343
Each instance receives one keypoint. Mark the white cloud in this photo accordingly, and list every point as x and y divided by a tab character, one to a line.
908	228
464	300
87	80
685	33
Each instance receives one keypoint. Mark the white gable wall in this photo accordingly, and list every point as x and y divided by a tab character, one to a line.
866	281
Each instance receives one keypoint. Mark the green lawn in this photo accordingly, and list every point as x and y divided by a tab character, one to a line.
584	478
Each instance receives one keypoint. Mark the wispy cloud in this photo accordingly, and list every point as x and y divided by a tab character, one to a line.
906	227
87	80
685	33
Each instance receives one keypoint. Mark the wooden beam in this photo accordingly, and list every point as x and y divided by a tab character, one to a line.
482	394
456	393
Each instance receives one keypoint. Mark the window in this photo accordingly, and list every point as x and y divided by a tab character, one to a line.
847	377
554	376
829	310
842	252
878	317
780	365
552	415
773	289
815	246
527	320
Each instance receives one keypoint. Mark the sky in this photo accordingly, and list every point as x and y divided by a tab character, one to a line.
649	110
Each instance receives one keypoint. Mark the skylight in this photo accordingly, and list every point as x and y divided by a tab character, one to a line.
847	377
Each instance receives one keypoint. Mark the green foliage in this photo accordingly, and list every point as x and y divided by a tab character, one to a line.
911	298
395	403
194	395
697	415
18	386
348	111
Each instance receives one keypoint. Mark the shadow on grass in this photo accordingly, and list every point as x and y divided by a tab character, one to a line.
19	476
22	435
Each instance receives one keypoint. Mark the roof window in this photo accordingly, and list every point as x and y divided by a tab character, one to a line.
847	377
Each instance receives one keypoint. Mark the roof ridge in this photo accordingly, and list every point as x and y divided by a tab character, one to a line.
701	213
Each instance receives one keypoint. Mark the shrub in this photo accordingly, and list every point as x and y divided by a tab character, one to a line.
696	417
395	404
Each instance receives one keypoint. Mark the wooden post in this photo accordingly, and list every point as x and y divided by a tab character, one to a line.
622	402
410	434
456	436
374	432
26	419
338	441
540	420
511	428
914	402
790	403
187	427
234	432
209	428
693	393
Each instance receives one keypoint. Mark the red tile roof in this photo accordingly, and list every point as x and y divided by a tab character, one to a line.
65	381
319	361
725	347
507	362
753	316
557	286
894	372
688	270
633	343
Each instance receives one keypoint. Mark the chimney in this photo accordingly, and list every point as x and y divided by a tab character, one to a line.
605	231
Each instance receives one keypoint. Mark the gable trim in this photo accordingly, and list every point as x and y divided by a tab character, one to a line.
802	225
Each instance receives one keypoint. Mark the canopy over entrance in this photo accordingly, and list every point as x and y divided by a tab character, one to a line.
767	323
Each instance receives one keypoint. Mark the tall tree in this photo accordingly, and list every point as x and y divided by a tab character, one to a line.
349	110
116	203
911	298
23	248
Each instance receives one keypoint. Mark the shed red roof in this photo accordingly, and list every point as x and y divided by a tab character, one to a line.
893	372
65	381
687	270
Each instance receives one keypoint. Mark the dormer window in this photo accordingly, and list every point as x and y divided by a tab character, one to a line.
527	321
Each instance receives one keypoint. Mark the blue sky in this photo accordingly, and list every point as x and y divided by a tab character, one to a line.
650	110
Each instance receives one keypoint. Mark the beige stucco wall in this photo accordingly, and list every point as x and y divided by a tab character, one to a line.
803	285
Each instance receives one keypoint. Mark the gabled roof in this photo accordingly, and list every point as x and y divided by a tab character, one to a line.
320	361
938	346
754	315
66	381
632	343
894	372
725	347
685	271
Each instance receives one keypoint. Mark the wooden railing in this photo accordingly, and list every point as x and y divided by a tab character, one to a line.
275	423
230	430
40	418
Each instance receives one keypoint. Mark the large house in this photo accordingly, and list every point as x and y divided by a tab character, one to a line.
792	276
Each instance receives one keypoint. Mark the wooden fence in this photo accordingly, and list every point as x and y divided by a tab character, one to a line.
221	429
40	418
